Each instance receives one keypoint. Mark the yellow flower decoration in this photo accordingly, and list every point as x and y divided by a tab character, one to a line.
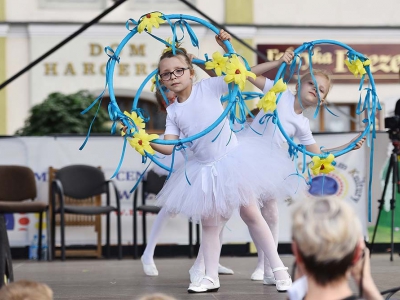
148	21
169	48
322	165
140	124
236	72
268	102
141	142
218	63
357	67
153	83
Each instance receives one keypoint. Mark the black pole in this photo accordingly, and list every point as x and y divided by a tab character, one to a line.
259	54
62	43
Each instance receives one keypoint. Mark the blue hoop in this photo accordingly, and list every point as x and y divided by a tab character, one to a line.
235	96
371	104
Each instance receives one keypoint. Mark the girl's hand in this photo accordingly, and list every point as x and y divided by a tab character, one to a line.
287	57
221	37
359	143
191	56
123	127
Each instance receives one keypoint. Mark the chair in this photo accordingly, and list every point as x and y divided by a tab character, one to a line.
6	269
17	183
76	190
152	185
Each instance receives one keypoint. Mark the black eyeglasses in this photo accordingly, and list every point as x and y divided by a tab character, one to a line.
177	72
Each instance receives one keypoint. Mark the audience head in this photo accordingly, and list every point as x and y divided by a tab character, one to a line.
26	290
327	238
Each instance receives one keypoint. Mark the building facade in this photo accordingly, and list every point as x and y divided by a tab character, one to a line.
29	28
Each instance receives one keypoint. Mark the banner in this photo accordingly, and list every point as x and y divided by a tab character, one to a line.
348	182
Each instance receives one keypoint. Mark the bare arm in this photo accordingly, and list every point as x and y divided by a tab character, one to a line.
165	149
219	38
314	148
260	69
361	271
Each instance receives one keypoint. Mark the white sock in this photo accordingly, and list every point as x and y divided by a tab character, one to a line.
158	224
261	233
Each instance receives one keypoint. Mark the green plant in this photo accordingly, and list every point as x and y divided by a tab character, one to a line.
61	114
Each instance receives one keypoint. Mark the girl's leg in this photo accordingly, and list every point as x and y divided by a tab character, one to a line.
262	235
258	273
147	257
271	215
197	271
222	269
211	228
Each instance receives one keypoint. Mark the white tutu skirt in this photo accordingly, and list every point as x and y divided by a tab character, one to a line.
250	172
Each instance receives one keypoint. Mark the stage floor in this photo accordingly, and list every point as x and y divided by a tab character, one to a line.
113	279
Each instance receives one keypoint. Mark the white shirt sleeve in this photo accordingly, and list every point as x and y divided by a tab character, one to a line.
268	85
304	133
170	126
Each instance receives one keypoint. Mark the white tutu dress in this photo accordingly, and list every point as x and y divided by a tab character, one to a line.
222	175
283	179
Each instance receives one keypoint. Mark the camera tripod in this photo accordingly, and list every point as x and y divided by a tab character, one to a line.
393	169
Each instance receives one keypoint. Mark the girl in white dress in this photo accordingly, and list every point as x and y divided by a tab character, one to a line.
223	174
296	125
160	220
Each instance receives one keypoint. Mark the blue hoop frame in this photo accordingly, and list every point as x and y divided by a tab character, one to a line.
371	104
235	98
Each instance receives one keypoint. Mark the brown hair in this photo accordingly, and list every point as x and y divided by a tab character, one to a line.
160	100
179	52
26	290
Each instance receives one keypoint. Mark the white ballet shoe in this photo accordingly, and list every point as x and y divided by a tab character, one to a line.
257	275
284	284
196	275
212	286
149	269
224	270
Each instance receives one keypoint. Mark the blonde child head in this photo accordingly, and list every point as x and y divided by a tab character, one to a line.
26	290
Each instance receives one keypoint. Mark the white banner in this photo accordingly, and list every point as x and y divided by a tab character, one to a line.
348	182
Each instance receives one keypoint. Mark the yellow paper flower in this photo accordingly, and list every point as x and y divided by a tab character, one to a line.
268	102
148	21
140	124
357	67
153	83
322	165
141	142
236	72
169	48
218	63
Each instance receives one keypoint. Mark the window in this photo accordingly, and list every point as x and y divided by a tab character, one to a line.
160	5
346	119
157	120
72	4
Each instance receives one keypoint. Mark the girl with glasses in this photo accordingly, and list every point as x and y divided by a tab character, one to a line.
223	173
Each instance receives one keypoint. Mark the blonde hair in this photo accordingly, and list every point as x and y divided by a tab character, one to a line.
157	296
326	231
322	73
26	290
326	228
